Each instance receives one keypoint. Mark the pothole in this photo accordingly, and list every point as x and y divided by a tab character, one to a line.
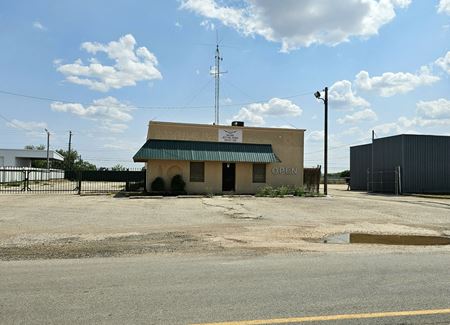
361	238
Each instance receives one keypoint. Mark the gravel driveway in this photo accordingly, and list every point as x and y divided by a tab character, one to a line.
68	226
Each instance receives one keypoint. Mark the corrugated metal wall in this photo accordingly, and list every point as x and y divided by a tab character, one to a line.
426	164
360	161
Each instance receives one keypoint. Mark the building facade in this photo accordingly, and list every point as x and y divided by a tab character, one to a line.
24	157
218	158
402	163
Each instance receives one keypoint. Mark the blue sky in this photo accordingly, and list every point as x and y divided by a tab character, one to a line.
103	69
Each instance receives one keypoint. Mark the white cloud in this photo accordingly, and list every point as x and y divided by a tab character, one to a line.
178	25
255	113
249	116
444	62
38	25
108	111
355	130
343	97
208	25
131	65
435	109
359	116
434	113
30	126
296	23
444	7
315	136
390	83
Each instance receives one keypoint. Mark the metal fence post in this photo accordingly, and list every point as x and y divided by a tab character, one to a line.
79	182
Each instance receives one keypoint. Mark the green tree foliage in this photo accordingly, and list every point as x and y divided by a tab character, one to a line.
72	160
32	147
177	184
118	167
345	173
158	184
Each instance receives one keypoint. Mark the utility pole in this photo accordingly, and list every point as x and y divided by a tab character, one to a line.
325	139
325	155
68	153
48	148
371	168
216	73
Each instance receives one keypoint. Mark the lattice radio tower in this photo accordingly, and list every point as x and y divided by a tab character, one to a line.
216	73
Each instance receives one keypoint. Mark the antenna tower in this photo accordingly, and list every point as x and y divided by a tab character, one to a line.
216	73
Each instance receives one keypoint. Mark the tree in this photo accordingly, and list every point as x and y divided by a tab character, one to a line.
345	173
37	163
33	147
71	161
118	167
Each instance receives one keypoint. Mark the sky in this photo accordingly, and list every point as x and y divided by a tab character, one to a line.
104	69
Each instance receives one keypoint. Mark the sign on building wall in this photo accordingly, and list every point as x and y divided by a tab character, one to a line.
230	135
284	171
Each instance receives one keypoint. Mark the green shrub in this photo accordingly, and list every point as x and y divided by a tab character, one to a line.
177	184
158	184
280	191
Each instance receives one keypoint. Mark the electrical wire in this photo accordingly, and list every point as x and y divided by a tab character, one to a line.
49	99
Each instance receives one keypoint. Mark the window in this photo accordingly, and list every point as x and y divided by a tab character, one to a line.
197	173
259	173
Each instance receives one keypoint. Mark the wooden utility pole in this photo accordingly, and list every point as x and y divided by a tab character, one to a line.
68	153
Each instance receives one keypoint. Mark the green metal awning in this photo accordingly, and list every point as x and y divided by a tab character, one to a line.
205	151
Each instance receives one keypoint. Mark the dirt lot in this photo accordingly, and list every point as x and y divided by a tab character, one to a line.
70	226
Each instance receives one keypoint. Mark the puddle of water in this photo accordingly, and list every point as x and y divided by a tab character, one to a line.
359	238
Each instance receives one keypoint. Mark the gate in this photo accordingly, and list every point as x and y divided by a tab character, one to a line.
38	180
384	181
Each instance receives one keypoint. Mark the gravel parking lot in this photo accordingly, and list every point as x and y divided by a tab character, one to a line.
68	226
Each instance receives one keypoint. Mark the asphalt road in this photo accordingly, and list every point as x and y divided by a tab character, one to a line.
207	289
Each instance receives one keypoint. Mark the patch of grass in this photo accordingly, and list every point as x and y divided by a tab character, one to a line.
281	191
12	184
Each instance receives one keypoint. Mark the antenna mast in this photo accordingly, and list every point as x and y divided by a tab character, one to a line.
216	73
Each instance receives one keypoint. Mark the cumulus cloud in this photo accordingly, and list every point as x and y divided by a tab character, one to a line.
359	116
130	65
315	136
390	83
435	109
444	62
444	7
38	25
435	113
255	113
111	113
32	128
296	23
342	96
208	25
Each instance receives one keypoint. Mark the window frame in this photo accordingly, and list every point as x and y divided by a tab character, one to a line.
254	168
197	178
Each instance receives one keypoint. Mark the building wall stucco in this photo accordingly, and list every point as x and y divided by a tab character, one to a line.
287	144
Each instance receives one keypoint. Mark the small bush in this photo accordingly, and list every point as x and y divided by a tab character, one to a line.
177	184
269	191
158	184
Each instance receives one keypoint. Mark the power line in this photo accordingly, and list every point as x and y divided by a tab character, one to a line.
49	99
337	147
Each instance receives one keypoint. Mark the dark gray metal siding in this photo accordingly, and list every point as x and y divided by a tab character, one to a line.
360	161
426	164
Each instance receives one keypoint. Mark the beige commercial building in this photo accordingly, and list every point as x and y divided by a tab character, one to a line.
219	158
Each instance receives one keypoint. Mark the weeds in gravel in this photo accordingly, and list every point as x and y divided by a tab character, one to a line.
280	191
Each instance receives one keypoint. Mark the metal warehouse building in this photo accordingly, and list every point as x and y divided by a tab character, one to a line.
402	164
